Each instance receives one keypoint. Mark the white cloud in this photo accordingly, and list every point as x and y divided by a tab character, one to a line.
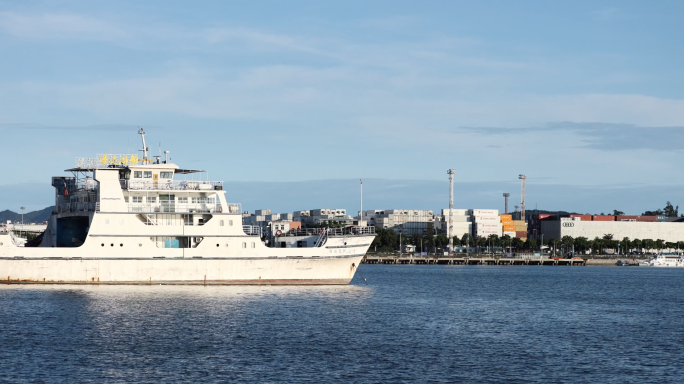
60	26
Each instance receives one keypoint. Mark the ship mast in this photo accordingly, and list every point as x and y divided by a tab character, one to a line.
145	149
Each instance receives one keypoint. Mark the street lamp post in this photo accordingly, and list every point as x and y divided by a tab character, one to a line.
22	217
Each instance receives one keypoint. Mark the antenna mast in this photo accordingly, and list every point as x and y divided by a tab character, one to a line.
144	150
450	229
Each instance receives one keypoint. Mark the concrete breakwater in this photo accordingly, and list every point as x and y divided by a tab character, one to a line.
488	260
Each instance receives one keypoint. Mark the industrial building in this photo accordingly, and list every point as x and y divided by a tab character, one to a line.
262	217
405	221
634	227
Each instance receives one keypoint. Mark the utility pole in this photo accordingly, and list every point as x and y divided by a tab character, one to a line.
522	202
450	229
506	195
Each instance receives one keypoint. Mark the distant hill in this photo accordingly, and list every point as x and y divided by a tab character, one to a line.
29	217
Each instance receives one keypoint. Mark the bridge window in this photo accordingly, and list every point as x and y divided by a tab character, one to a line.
221	223
148	174
137	199
166	175
182	200
244	245
230	223
137	174
253	245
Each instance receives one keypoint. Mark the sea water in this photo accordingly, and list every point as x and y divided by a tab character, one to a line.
439	324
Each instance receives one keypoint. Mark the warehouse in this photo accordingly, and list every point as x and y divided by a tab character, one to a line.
576	227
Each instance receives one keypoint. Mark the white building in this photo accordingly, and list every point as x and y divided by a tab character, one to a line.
461	219
406	221
668	231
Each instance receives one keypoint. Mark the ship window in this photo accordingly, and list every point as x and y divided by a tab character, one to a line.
106	221
152	199
137	174
182	200
137	199
244	245
126	199
211	200
253	245
221	223
230	223
148	174
166	175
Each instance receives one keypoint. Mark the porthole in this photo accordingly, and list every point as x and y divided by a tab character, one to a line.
121	245
217	245
112	244
139	244
226	245
103	244
221	223
1	244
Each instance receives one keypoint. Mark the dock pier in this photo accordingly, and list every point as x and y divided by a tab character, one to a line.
487	260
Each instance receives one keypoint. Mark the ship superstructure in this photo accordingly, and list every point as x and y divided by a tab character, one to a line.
129	219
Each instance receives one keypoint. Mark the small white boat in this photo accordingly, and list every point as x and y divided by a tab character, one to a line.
670	259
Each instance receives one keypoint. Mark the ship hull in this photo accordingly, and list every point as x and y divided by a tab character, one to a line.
217	271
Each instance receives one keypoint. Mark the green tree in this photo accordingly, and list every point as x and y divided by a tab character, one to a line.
581	244
617	213
671	211
596	245
648	244
518	244
567	242
626	244
530	244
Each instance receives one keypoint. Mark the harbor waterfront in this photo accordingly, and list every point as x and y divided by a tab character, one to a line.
442	324
491	260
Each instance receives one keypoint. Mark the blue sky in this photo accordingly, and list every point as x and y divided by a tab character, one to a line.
276	95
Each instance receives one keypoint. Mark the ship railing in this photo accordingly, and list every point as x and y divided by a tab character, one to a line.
78	207
183	208
350	231
304	232
171	185
252	230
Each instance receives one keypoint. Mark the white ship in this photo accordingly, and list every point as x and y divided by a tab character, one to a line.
671	259
122	219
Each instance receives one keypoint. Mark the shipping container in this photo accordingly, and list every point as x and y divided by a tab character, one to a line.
583	217
603	218
520	234
484	212
489	219
622	218
509	217
647	218
509	233
488	226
